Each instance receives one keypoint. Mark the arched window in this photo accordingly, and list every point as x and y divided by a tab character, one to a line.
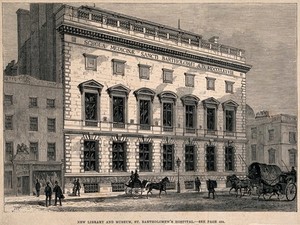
190	103
211	108
118	94
168	101
90	91
144	97
229	108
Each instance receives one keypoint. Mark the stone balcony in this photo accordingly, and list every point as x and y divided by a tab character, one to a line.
132	27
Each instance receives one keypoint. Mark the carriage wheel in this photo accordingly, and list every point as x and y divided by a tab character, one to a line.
137	191
291	191
128	190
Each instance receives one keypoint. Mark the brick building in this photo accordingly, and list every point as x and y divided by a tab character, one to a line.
33	135
272	140
140	95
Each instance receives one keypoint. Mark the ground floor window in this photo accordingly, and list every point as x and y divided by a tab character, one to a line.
90	156
119	156
210	158
189	157
145	157
229	158
168	157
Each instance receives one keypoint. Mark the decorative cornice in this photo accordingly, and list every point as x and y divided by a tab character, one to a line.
67	29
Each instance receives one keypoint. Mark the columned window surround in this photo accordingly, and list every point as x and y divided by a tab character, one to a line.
119	96
190	103
90	100
168	101
144	97
229	116
210	112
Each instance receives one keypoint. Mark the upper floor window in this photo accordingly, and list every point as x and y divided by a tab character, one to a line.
90	91
118	67
9	151
145	157
145	98
271	135
50	103
189	158
33	102
189	80
168	157
253	153
210	83
33	150
90	156
190	103
229	108
8	122
229	86
144	71
119	156
51	152
292	137
51	125
33	124
253	132
119	95
211	107
167	76
168	100
8	100
272	156
90	62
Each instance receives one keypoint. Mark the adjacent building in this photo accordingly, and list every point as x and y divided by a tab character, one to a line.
139	95
272	139
33	135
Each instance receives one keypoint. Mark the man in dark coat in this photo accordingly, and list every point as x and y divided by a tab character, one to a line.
37	188
78	186
197	184
48	193
211	184
58	193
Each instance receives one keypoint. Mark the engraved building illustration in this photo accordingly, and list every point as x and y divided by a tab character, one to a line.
137	95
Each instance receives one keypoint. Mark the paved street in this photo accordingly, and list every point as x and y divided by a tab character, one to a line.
188	201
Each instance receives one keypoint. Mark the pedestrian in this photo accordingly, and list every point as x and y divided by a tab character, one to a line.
48	193
37	188
74	187
78	186
58	193
197	184
211	184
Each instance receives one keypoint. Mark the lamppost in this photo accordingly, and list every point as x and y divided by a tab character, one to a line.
178	162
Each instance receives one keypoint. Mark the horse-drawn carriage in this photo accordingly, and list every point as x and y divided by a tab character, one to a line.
270	180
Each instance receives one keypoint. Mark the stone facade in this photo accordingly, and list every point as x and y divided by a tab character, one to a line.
99	36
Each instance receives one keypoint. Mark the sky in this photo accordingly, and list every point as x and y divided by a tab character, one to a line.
267	32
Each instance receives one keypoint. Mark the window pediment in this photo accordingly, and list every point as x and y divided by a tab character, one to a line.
190	100
144	92
230	104
167	96
118	89
90	84
211	102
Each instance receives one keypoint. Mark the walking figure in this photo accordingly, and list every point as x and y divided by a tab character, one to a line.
37	188
197	184
48	193
211	185
78	186
74	187
58	193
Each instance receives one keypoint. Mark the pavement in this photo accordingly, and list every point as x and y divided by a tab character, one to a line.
85	196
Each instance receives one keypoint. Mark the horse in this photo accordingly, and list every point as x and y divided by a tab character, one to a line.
161	186
136	184
238	184
264	189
